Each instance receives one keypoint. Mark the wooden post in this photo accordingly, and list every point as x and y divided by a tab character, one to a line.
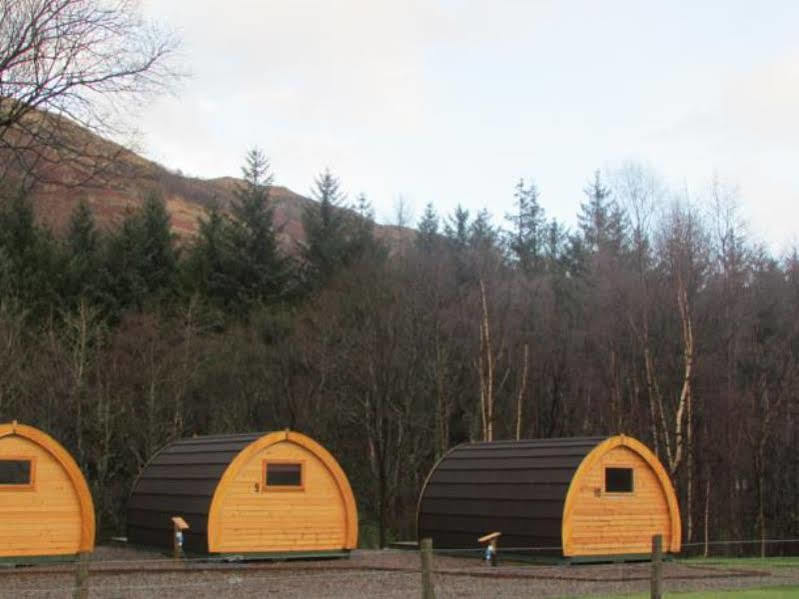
82	576
178	525
657	567
426	551
493	557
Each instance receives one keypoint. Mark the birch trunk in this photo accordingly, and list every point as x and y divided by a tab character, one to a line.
486	370
522	391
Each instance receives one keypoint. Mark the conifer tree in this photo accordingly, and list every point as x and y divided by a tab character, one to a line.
457	228
142	260
82	256
482	234
364	243
527	238
327	240
206	264
30	269
427	235
236	261
601	219
257	266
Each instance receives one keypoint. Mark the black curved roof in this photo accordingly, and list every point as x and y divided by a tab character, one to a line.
180	480
516	487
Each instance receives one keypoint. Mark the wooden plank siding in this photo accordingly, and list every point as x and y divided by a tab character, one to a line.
309	518
599	523
54	515
603	523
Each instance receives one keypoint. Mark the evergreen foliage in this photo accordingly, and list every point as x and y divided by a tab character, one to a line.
236	261
602	221
83	257
482	234
142	261
528	236
336	237
457	228
258	270
30	268
427	234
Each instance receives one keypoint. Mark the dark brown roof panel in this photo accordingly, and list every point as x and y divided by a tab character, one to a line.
515	487
180	480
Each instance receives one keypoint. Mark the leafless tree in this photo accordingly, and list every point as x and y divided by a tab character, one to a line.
684	250
641	193
73	62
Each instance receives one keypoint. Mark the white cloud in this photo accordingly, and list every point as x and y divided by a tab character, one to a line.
452	101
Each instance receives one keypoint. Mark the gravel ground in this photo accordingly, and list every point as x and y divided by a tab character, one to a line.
116	573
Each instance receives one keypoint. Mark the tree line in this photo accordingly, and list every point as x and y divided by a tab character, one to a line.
656	317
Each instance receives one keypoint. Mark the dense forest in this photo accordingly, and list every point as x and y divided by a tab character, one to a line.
656	317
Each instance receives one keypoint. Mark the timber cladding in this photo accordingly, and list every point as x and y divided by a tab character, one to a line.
45	505
254	493
589	496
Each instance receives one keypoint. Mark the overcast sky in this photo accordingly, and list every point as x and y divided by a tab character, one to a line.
453	101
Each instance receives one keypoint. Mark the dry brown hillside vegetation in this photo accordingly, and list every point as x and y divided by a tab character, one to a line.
114	181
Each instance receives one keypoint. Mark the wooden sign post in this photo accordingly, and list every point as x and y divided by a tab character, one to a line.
491	548
426	552
179	525
657	567
82	576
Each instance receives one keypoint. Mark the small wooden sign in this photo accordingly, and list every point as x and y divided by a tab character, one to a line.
489	537
179	523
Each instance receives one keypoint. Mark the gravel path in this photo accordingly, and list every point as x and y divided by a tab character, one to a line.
390	574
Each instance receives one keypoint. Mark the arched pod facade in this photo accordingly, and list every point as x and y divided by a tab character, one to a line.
46	508
577	497
276	493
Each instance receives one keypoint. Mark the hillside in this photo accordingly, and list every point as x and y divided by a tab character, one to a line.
126	178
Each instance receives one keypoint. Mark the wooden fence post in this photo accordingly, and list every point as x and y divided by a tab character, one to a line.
82	576
426	551
657	567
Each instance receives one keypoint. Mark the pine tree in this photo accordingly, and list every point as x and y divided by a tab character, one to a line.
601	219
457	228
527	238
83	256
482	234
236	261
427	236
555	250
364	243
159	254
142	261
206	264
261	271
327	238
30	265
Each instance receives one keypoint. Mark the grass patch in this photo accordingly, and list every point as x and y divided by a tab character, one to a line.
789	592
756	563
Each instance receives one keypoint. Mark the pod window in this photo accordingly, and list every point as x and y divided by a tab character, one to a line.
283	476
16	473
618	480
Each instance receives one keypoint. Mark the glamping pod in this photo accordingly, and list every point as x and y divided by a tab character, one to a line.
46	509
264	494
580	497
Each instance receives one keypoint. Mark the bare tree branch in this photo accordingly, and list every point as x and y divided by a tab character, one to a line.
73	62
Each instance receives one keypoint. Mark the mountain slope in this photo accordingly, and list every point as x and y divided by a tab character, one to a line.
127	178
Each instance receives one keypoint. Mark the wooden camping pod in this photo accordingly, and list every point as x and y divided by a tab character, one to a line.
276	493
580	497
45	505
